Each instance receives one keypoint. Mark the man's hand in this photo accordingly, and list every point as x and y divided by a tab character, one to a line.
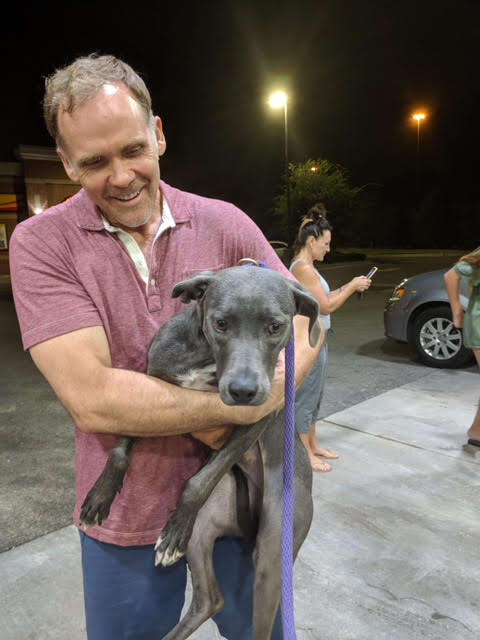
214	438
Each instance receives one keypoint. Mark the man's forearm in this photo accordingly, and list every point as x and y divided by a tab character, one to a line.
104	399
134	404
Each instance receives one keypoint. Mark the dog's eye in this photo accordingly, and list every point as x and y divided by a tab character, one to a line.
221	325
274	327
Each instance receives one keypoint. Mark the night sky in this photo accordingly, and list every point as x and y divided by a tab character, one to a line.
355	71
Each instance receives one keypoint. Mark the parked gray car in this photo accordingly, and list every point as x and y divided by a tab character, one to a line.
418	312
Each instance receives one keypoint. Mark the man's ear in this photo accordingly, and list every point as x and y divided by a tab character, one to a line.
307	306
194	288
67	165
162	143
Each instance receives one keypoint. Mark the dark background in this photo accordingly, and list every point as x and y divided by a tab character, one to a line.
355	71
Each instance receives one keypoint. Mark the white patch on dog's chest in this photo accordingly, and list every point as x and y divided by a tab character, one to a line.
203	379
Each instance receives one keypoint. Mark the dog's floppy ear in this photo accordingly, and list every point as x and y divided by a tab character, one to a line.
193	288
307	306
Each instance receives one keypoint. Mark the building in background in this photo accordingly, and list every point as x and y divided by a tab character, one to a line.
27	188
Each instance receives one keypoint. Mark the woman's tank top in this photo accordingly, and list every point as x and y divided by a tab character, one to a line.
324	283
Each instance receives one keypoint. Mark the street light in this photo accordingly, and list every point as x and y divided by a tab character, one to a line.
419	116
277	100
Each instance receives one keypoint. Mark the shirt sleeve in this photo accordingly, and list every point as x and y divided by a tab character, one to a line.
49	298
464	269
251	243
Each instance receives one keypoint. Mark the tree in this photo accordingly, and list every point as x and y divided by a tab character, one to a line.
315	181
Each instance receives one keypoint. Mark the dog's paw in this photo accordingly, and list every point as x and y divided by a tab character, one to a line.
165	557
87	523
173	541
95	509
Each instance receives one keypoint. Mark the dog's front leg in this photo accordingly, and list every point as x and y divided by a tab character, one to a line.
96	506
173	540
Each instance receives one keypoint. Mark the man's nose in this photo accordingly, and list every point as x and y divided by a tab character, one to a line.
121	174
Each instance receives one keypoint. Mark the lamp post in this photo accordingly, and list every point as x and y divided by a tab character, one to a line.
418	117
278	100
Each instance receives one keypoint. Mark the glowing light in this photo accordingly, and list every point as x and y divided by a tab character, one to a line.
38	204
313	169
419	116
278	99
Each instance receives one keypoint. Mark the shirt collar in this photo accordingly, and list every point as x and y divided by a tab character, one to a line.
167	221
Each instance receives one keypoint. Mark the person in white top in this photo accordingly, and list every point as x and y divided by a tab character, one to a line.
313	243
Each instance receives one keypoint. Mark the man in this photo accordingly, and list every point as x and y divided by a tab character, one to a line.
92	279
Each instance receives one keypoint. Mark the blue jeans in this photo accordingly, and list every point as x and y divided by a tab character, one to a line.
128	598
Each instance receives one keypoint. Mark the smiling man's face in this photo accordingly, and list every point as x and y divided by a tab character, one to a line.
111	149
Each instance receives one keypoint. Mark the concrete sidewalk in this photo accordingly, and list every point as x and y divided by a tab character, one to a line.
393	551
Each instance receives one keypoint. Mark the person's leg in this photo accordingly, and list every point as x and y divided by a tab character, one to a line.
305	405
314	449
314	446
126	596
236	575
474	431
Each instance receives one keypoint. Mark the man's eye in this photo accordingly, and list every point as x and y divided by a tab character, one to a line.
134	151
91	164
274	328
221	325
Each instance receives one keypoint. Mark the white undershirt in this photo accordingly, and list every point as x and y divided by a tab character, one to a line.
131	244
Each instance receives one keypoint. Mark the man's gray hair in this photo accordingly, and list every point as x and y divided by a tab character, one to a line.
69	87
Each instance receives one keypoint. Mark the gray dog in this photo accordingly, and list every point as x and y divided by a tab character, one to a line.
228	342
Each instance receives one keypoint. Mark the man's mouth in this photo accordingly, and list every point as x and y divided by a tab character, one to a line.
127	197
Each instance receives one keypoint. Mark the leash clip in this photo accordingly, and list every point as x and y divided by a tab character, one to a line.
248	261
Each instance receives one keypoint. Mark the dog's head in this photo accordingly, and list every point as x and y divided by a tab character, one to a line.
246	314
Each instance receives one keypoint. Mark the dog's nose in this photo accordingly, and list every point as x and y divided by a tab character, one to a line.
243	391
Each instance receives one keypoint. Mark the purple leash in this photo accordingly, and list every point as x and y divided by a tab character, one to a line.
288	605
288	520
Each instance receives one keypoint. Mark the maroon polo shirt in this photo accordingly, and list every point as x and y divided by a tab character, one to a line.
69	272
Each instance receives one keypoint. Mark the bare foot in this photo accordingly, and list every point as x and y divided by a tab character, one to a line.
317	450
319	465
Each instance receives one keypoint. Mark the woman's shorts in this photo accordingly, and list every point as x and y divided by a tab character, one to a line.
309	396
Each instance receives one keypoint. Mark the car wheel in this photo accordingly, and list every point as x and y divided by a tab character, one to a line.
437	341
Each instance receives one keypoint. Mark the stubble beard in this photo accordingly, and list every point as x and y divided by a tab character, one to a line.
135	225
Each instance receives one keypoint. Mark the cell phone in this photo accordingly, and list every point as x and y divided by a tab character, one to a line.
369	275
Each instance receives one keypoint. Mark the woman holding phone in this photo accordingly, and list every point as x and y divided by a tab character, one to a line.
313	243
